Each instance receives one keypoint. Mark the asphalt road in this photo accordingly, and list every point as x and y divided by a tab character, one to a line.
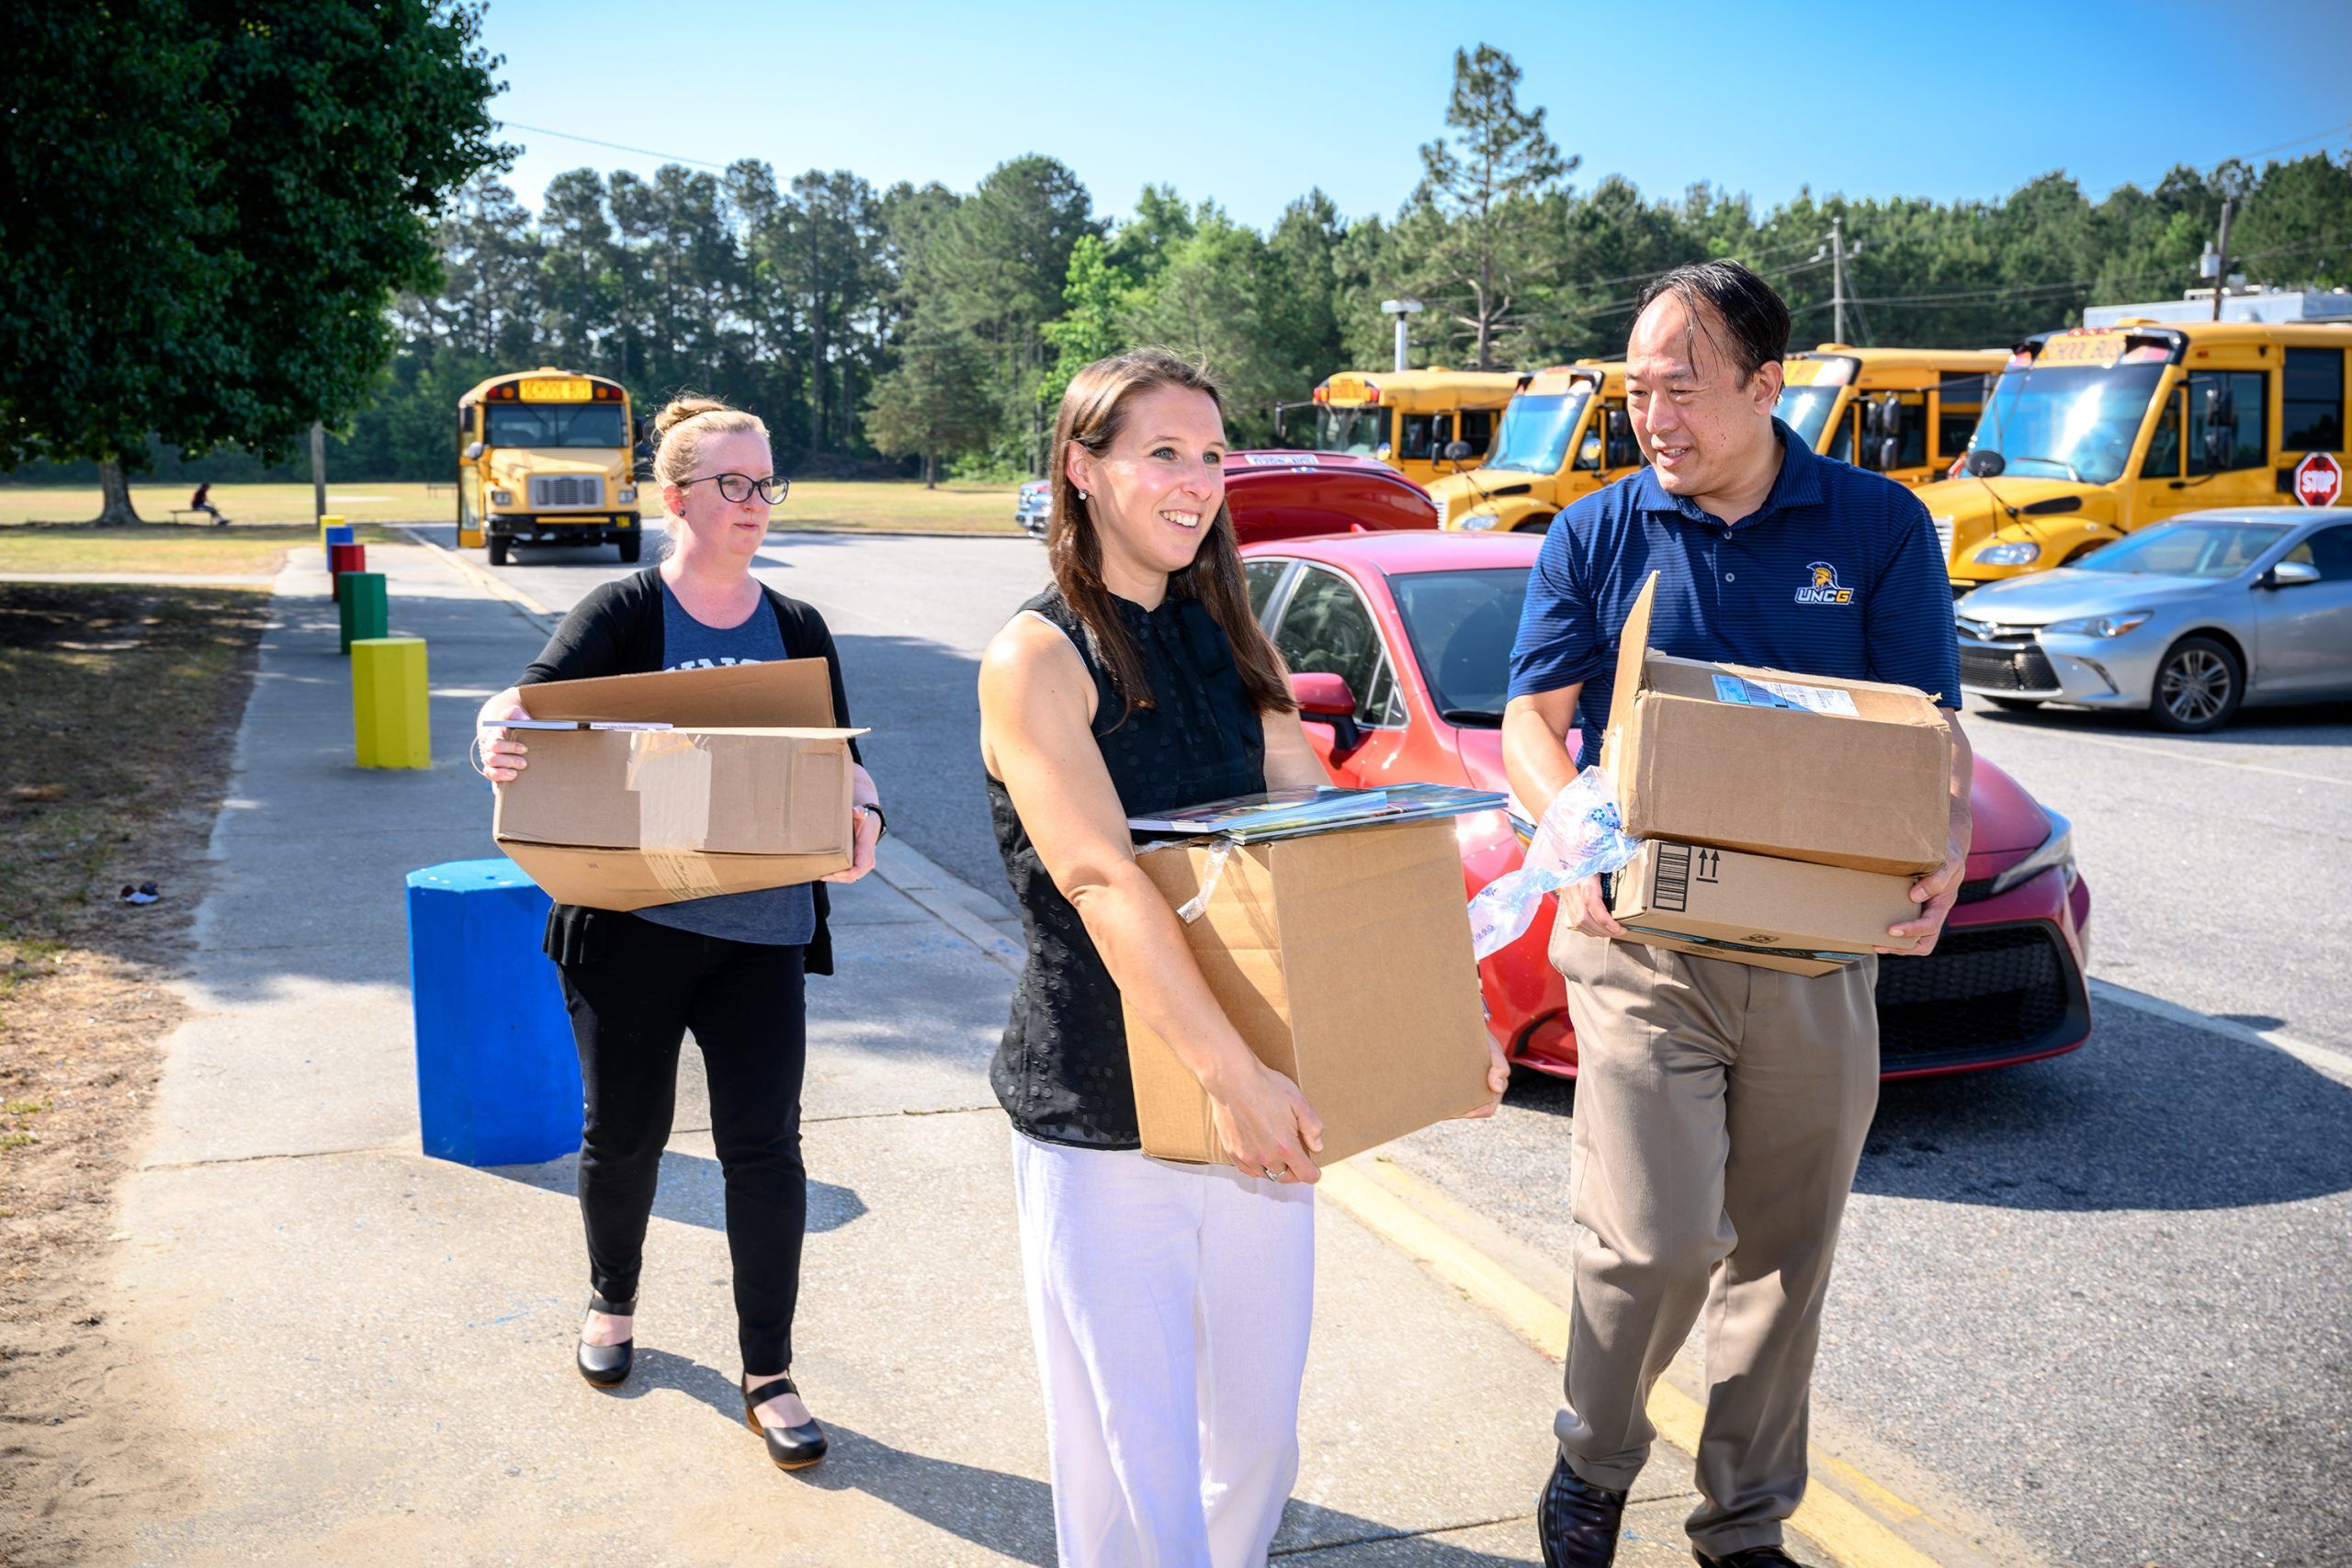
2098	1300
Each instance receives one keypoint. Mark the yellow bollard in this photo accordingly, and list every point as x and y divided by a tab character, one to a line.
327	520
389	716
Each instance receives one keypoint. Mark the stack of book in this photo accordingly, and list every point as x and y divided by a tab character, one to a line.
1294	813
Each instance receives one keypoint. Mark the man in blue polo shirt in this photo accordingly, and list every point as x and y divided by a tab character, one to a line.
1720	1108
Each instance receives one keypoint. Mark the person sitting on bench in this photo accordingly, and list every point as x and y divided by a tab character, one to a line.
201	502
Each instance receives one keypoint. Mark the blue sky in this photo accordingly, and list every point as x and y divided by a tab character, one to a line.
1255	103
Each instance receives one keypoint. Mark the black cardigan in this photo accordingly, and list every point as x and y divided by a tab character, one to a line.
617	630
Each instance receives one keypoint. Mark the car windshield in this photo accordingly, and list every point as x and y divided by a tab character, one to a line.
2070	421
2188	550
1806	410
1460	624
1534	436
1359	432
556	424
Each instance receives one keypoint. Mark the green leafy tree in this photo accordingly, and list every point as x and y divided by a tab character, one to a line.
211	206
934	401
1483	240
1096	301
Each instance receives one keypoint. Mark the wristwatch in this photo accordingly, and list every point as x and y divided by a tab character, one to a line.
883	830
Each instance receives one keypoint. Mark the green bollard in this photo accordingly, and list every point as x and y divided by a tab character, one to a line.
365	607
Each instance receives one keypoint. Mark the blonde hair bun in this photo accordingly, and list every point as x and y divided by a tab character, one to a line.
685	423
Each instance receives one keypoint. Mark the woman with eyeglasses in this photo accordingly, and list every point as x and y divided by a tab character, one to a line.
729	968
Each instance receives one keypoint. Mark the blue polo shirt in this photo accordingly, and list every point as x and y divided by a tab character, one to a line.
1837	573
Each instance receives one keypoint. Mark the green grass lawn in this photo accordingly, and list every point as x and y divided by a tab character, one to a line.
813	503
246	549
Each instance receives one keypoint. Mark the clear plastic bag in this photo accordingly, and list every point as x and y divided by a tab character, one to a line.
1580	836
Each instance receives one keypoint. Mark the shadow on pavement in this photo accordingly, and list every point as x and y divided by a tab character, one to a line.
693	1191
2151	1114
2311	724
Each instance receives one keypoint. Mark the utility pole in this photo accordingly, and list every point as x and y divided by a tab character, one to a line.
318	470
2221	257
1837	279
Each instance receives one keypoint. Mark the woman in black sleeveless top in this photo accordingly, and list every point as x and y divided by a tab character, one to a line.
1170	1302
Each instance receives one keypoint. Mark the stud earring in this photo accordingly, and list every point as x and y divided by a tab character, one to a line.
1082	495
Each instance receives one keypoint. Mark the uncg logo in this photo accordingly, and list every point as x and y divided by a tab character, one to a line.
1824	588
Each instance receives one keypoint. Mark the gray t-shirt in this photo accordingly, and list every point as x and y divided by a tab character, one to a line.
778	917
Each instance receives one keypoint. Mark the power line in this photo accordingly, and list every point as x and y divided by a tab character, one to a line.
615	146
2333	130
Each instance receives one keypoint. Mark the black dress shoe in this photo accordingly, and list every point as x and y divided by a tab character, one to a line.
605	1365
792	1448
1577	1522
1750	1557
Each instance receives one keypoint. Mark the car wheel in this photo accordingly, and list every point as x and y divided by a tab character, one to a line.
497	550
2197	687
2016	705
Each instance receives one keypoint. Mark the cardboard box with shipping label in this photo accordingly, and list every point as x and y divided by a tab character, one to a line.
748	786
1852	774
1343	959
1776	914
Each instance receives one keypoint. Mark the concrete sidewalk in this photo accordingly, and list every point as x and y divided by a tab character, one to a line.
352	1351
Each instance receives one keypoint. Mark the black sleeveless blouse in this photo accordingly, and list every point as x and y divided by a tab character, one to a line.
1061	1072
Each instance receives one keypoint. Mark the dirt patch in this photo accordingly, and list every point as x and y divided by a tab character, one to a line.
121	705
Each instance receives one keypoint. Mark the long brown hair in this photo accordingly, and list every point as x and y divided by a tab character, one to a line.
1093	413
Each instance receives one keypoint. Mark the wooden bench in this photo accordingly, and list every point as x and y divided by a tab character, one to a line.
440	487
187	513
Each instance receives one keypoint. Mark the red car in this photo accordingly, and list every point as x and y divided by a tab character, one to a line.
1289	495
1399	645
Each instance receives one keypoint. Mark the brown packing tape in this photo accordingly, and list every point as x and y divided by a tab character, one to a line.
670	774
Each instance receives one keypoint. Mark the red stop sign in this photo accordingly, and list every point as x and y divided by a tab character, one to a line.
2318	480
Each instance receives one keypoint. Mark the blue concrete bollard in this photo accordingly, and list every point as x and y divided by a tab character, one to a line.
497	1075
331	536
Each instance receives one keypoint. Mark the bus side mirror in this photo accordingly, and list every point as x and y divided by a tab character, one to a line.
1983	462
1457	452
1888	449
473	452
2220	427
1885	416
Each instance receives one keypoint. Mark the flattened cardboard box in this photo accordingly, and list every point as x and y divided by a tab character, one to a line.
749	789
1344	961
1772	914
1850	773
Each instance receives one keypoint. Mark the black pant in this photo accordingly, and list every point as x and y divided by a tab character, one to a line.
745	1004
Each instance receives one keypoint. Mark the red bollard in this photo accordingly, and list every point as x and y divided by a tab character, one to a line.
341	558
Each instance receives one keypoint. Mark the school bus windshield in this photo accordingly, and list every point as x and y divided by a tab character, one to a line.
2067	422
1806	410
1536	428
555	424
1358	431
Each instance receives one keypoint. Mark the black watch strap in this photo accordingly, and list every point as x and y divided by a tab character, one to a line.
879	817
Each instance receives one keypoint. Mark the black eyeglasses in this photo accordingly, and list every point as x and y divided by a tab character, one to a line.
739	487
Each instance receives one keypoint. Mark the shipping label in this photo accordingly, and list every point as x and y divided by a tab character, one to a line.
1783	695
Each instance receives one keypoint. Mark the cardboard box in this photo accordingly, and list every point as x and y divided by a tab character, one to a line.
1849	774
1775	914
750	787
1344	961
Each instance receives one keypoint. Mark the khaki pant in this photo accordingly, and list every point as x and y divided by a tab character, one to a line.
1720	1115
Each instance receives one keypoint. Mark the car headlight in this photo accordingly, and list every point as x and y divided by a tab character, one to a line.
626	494
2014	552
1480	520
2102	625
501	498
2058	849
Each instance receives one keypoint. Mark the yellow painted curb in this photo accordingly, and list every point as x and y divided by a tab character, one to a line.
1420	1222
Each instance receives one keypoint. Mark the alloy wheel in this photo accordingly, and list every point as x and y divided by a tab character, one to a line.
2195	686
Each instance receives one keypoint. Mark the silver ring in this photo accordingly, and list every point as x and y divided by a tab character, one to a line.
1272	1173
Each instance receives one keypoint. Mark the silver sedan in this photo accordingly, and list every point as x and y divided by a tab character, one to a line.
2186	620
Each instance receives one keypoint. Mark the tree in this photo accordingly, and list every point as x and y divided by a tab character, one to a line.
1096	302
1484	184
205	233
934	401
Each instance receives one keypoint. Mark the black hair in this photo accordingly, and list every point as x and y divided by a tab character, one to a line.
1750	310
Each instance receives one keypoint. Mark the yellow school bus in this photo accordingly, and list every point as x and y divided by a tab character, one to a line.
1904	413
1406	418
2091	432
545	456
1563	436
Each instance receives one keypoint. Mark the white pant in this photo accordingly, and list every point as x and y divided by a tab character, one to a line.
1171	1305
